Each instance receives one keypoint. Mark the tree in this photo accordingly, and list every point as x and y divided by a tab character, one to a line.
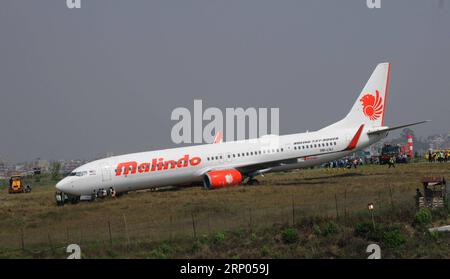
56	166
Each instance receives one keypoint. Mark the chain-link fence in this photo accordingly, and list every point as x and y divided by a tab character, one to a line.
123	229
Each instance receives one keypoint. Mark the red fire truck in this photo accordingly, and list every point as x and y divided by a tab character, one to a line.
400	153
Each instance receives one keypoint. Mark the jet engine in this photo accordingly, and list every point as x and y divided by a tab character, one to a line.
222	178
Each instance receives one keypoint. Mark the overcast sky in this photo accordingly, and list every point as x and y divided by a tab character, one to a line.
105	78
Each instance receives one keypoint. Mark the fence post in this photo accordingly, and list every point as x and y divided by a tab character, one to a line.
126	230
282	215
110	234
250	219
345	206
293	211
379	201
22	241
337	212
390	195
193	225
209	223
171	227
50	242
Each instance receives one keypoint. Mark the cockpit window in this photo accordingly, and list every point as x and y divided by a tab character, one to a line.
78	173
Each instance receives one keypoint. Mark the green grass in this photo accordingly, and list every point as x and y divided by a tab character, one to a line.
237	222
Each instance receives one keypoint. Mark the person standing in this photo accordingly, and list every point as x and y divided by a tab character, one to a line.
391	162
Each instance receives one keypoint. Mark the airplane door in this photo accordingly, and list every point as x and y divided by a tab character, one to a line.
287	146
106	172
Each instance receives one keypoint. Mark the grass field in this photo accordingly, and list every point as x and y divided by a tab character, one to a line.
311	213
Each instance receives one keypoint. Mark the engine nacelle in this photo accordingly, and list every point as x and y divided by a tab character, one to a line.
222	178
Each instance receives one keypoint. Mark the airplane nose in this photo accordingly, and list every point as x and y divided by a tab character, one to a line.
60	185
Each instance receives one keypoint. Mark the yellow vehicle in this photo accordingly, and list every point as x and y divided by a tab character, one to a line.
16	185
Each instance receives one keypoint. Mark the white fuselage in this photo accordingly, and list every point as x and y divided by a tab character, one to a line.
295	151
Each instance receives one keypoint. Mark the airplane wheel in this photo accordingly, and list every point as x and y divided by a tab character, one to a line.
252	182
74	200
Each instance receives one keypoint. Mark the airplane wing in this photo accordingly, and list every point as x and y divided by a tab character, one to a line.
260	168
264	167
267	166
384	129
254	169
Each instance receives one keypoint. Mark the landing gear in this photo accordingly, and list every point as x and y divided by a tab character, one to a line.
74	199
252	181
102	193
60	198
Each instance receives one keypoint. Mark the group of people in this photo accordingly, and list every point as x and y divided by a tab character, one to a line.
345	163
438	156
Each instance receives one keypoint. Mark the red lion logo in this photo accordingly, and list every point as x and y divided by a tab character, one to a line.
372	105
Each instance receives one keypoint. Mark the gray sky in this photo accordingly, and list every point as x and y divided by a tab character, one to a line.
105	78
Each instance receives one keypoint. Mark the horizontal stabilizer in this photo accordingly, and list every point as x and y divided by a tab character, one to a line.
384	129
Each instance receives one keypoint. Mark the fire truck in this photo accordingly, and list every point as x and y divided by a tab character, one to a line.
400	153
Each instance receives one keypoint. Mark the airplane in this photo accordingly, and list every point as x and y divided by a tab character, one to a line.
224	164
